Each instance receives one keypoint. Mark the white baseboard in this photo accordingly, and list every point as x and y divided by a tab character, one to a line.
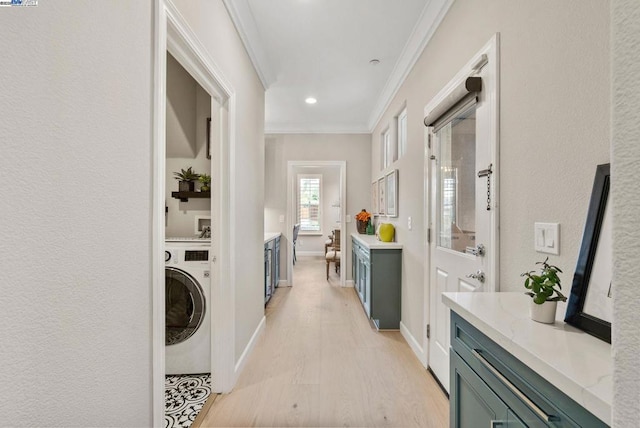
413	344
349	283
310	253
247	350
283	283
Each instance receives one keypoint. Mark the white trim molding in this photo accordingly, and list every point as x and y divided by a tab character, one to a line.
431	17
291	210
251	39
413	344
173	34
242	361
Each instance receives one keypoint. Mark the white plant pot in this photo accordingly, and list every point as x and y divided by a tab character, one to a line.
544	313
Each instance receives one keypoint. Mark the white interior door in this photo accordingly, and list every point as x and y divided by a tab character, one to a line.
460	227
463	191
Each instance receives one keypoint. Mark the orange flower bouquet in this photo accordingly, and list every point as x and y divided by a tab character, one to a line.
363	218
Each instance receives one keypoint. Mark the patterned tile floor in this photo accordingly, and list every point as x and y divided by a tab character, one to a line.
184	396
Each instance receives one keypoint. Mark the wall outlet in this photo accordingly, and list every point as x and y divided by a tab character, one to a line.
409	223
281	218
348	219
546	238
300	242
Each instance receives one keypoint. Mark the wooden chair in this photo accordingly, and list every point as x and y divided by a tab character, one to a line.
328	244
333	255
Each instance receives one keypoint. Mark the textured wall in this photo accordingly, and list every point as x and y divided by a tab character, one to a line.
554	127
75	137
355	149
213	27
625	22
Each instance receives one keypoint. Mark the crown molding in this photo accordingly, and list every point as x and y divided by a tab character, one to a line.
292	128
248	31
427	24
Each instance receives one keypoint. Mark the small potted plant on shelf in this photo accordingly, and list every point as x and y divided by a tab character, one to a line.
205	179
187	178
544	294
362	218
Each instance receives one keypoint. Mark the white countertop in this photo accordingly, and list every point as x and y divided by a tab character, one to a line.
270	236
573	361
371	242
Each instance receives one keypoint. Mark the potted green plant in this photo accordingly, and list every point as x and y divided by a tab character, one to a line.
187	178
545	292
205	179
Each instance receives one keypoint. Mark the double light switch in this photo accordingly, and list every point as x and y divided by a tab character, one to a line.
547	238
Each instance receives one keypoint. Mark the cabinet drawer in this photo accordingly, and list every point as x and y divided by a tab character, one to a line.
529	395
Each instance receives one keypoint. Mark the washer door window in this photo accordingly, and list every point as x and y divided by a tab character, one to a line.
184	305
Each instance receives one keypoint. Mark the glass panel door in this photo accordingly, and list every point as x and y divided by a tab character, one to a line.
456	198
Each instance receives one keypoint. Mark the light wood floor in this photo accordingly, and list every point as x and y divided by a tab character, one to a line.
319	363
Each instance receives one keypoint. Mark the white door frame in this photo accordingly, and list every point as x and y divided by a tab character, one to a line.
173	34
489	57
291	213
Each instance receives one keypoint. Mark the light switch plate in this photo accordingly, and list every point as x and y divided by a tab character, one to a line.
546	238
348	219
409	223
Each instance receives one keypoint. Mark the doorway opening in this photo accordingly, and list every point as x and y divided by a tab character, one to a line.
316	210
198	214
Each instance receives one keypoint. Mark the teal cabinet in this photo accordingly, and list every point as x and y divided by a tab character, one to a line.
377	277
492	388
271	267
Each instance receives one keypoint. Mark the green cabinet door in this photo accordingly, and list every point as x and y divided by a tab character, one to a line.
473	403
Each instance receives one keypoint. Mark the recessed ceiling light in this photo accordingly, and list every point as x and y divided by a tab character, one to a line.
310	100
374	61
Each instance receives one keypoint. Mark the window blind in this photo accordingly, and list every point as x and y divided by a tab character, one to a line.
309	203
461	98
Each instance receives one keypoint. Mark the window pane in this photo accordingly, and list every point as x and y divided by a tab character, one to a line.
456	183
309	204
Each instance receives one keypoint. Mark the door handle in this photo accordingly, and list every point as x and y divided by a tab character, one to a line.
479	276
480	250
537	410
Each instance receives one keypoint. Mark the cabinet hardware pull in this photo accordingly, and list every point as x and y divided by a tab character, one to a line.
537	410
494	423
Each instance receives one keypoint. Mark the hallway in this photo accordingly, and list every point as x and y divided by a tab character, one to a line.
319	363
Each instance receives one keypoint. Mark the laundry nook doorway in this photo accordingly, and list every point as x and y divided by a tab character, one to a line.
175	43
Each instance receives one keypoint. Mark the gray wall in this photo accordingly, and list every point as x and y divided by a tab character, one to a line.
181	111
76	237
355	149
180	217
625	20
554	127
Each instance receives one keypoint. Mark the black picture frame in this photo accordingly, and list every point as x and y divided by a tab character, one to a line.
208	138
575	314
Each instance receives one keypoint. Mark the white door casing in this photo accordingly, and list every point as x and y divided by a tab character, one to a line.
292	210
172	34
449	260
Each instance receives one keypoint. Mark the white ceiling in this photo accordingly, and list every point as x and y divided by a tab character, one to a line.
322	49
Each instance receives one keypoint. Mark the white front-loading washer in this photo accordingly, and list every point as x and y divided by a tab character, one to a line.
187	306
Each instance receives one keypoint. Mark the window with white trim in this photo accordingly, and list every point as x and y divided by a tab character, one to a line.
386	149
402	132
310	203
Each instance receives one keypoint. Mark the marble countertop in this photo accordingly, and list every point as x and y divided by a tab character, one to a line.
573	361
270	236
371	242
